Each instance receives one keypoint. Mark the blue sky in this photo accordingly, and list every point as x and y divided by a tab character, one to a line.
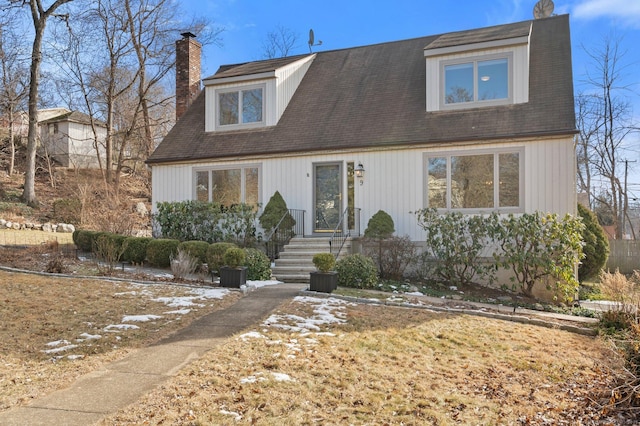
341	24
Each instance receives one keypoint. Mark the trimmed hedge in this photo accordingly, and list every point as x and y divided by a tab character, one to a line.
258	265
195	249
215	254
136	250
160	251
83	239
357	271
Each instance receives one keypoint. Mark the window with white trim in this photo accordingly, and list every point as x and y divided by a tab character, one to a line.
240	107
228	186
474	181
477	81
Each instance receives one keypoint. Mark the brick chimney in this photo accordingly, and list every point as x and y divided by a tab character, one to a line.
188	52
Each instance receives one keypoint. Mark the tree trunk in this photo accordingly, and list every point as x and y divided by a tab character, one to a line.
29	192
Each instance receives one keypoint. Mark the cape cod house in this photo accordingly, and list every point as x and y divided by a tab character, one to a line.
472	121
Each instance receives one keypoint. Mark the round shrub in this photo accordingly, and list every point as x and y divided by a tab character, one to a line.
380	226
258	265
215	255
234	257
357	271
135	249
324	262
195	249
83	239
596	245
160	251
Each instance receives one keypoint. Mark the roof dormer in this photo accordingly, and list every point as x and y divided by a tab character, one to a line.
478	68
252	95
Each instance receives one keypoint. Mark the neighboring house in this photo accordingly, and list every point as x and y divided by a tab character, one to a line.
472	121
72	139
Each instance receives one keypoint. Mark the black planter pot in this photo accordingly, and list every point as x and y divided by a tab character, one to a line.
324	282
233	277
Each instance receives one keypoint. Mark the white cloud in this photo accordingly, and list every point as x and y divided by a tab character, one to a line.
626	11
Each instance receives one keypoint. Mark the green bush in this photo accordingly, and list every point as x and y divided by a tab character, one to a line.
324	262
454	245
275	210
189	220
536	246
258	265
357	271
380	226
135	251
160	251
234	257
596	246
83	239
195	249
67	210
215	255
210	222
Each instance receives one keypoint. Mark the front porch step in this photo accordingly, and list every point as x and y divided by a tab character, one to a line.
296	259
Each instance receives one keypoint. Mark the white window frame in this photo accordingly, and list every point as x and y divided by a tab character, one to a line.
239	90
496	181
474	60
243	180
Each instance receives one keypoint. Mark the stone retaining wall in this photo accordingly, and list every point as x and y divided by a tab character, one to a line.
46	227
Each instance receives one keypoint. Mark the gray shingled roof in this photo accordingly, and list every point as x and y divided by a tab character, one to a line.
74	116
374	96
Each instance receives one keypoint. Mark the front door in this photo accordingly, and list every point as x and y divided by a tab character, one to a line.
327	192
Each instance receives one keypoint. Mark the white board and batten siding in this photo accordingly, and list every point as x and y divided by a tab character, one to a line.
394	179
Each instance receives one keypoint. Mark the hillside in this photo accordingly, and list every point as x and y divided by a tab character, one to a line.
74	196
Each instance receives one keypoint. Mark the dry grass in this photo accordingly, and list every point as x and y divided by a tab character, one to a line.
37	310
386	366
11	237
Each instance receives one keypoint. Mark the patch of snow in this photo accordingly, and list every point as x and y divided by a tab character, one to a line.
178	312
125	293
414	293
237	416
258	284
58	343
86	336
281	377
178	302
140	318
60	349
114	328
253	379
326	311
73	357
251	335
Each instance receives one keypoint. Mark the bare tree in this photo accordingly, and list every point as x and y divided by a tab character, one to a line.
606	123
279	43
14	78
39	16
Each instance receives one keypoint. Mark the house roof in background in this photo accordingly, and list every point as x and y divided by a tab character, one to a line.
73	116
374	96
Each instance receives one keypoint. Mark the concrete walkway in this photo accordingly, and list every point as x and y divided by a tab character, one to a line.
121	383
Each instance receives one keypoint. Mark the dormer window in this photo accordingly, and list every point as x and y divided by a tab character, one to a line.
482	80
241	107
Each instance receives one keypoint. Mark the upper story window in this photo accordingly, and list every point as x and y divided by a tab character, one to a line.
241	107
480	81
